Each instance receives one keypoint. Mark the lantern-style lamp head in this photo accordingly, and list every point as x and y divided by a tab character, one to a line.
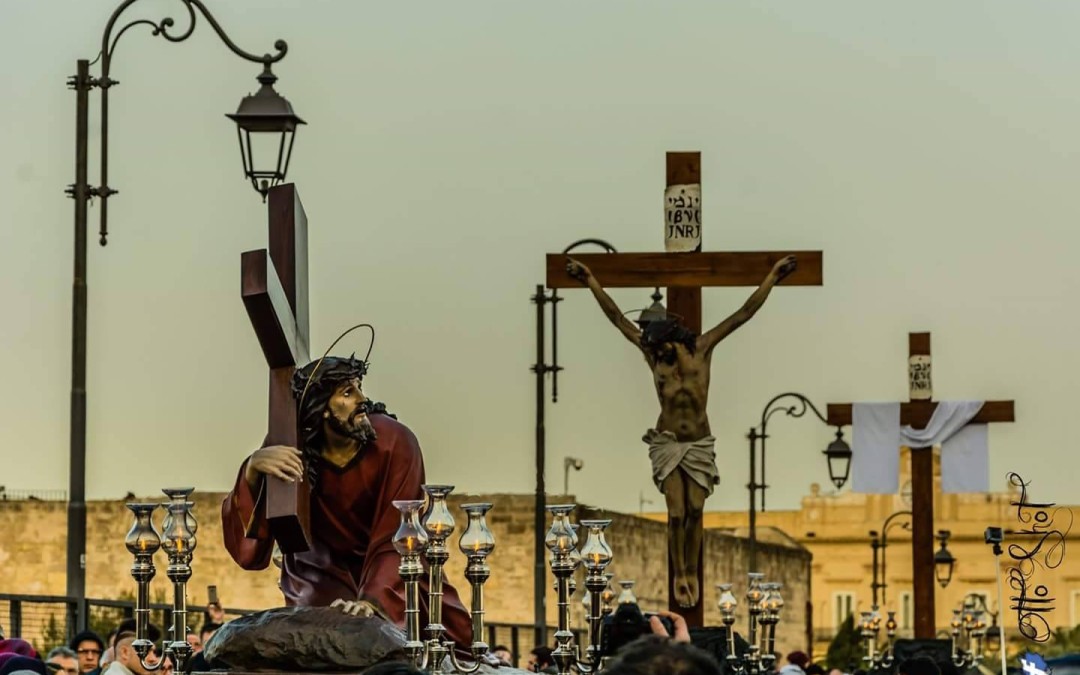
142	538
838	455
943	560
180	495
626	596
438	521
727	603
596	553
655	312
410	538
266	116
177	538
773	601
477	540
754	594
561	539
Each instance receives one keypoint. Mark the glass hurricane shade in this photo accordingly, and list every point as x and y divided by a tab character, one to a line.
626	596
410	538
438	521
560	538
142	537
727	602
596	553
176	537
180	495
477	539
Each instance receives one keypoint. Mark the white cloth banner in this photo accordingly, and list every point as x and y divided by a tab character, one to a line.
877	437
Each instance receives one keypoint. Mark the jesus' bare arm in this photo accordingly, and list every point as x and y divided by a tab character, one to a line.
710	339
583	274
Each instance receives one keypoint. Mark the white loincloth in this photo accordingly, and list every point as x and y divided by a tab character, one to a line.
696	458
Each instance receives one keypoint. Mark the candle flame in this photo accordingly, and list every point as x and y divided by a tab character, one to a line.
476	546
142	544
409	544
179	544
596	558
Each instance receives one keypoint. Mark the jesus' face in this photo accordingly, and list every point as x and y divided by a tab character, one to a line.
346	412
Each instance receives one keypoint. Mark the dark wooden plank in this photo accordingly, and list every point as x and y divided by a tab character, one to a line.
686	303
709	268
917	413
269	311
922	540
683	168
918	344
288	505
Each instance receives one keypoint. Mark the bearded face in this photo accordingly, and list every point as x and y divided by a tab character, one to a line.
346	413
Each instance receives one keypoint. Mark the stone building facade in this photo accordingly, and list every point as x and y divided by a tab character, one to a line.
33	549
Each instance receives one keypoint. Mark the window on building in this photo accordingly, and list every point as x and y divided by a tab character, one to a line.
843	607
906	610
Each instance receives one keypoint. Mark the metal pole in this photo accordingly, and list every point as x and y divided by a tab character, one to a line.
874	545
885	545
539	587
752	487
76	540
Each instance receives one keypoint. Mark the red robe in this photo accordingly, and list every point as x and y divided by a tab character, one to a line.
352	530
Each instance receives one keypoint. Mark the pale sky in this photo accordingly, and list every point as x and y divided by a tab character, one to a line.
931	150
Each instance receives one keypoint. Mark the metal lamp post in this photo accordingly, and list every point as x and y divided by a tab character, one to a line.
266	112
878	544
541	369
838	455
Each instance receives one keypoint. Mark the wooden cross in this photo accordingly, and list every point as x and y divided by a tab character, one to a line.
917	413
274	288
685	274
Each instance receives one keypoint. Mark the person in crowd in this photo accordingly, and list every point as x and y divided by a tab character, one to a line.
65	660
796	664
207	631
88	646
502	653
660	655
126	661
814	669
22	665
540	661
195	641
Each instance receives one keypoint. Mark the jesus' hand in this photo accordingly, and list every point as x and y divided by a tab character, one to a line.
578	271
279	461
361	608
784	267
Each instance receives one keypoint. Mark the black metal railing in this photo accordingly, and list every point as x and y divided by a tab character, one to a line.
48	621
7	495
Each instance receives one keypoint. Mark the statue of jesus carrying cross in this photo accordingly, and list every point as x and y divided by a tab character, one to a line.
681	446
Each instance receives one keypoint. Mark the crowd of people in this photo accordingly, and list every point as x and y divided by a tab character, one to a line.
87	653
659	644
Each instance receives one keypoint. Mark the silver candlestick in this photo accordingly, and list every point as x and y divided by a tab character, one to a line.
764	603
428	539
178	541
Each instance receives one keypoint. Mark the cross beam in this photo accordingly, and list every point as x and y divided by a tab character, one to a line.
707	269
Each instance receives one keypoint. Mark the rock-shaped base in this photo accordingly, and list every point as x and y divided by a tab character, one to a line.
309	639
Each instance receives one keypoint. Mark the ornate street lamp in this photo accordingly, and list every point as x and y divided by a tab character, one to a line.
838	455
266	112
943	560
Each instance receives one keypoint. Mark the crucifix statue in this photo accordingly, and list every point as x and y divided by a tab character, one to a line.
679	354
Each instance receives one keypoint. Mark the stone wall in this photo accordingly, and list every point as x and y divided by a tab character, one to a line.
33	549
